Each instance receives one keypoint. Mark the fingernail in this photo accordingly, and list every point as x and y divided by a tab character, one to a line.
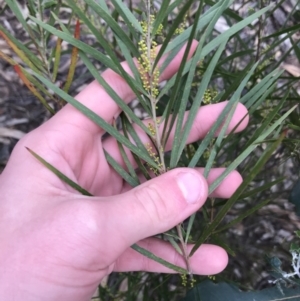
189	185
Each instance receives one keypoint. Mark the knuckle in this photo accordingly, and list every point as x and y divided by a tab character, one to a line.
154	203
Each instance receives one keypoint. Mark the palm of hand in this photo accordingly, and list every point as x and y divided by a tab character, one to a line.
61	235
73	233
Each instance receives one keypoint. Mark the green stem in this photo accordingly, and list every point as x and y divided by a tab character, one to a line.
184	249
158	140
153	99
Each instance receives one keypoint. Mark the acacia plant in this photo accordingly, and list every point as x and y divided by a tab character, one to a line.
147	33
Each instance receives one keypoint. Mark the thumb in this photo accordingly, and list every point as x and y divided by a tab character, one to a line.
153	207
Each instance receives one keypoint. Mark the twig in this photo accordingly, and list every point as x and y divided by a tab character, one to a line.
158	140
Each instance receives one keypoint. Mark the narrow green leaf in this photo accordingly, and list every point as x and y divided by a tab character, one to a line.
267	120
32	88
235	84
97	119
198	98
209	136
188	84
171	106
231	13
56	59
131	131
248	150
251	175
229	109
256	191
225	35
127	15
73	62
80	45
135	85
220	241
111	92
119	169
292	29
37	84
14	6
23	52
102	41
219	140
237	54
174	4
295	48
51	22
173	242
189	227
167	61
171	32
126	159
272	47
249	98
161	15
174	46
128	58
62	26
135	72
234	99
158	259
294	127
59	174
103	4
8	59
242	216
234	29
183	37
180	139
282	59
128	129
32	7
102	58
112	24
257	101
211	45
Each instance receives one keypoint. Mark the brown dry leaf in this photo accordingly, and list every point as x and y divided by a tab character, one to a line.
292	69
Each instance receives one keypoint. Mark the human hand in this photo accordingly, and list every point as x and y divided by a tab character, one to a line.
57	244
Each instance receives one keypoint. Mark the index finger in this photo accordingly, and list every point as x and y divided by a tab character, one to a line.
97	99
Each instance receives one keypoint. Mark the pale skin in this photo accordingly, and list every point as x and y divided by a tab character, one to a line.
56	244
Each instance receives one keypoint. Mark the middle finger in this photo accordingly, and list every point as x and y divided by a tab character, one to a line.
205	119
